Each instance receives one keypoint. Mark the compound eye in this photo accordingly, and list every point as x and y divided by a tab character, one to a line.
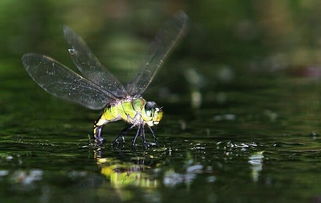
150	105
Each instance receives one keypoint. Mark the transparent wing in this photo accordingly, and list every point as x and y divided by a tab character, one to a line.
158	51
89	65
62	82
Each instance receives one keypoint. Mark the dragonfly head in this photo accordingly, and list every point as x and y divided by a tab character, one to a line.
153	113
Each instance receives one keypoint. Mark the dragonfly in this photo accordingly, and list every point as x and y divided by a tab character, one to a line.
97	88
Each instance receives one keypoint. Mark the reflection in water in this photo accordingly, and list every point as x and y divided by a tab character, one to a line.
125	174
122	174
171	178
26	177
256	161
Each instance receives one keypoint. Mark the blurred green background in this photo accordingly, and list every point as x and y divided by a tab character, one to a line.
249	34
225	41
220	31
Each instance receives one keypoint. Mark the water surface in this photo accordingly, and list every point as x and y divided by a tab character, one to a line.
257	145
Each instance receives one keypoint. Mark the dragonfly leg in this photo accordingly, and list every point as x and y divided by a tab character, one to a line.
153	134
143	136
137	134
122	133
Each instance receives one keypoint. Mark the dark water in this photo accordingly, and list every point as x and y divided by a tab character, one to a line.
260	144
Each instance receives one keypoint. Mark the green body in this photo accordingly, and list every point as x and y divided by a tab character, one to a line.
132	111
125	110
135	111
